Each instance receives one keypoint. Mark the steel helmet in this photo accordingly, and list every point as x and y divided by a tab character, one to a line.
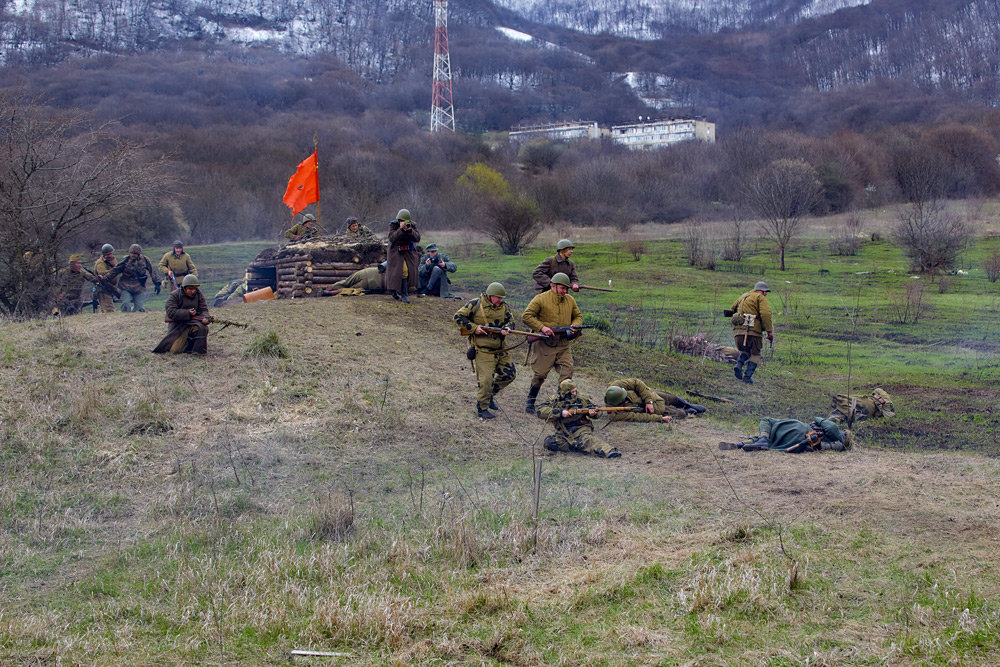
615	395
106	248
135	247
761	287
308	217
563	244
561	279
190	280
403	214
495	289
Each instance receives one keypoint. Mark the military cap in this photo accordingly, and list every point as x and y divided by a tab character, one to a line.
561	279
762	287
75	257
431	247
352	220
178	244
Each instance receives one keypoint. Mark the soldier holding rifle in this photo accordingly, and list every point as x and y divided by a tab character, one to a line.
187	317
651	405
555	314
176	264
487	322
751	319
570	414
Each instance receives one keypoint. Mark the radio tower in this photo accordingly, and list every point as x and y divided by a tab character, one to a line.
442	106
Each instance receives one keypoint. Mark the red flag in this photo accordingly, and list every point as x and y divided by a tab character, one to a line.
303	186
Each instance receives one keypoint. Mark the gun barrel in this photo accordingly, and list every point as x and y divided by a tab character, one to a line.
598	289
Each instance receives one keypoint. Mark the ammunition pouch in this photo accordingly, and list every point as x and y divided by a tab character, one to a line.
728	313
471	354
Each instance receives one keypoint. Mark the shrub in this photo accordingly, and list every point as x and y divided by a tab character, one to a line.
268	345
992	267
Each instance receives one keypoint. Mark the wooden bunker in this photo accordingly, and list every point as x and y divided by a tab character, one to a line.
299	270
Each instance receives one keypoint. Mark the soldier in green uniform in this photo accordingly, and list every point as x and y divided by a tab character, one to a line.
370	280
303	231
552	308
751	320
102	267
656	405
573	432
73	287
492	361
357	232
795	437
176	264
557	263
134	270
877	404
187	317
231	293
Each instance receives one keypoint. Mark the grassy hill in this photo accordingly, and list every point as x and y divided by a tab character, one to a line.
232	508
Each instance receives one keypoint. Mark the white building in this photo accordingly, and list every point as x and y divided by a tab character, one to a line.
560	131
657	133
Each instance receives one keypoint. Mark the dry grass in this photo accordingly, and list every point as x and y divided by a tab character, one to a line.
345	498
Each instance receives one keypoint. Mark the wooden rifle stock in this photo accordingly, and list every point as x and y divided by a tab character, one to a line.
583	411
598	289
496	330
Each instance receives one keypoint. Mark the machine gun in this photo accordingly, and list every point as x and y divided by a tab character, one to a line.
105	284
225	323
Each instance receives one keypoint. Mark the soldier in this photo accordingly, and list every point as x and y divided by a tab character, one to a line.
401	257
433	269
232	293
176	264
357	232
370	280
574	432
187	317
553	308
303	231
134	270
795	437
877	404
490	359
102	267
558	263
73	288
657	405
751	319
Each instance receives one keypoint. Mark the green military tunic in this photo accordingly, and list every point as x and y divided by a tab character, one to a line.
494	367
301	233
576	432
548	309
73	290
362	234
181	265
638	394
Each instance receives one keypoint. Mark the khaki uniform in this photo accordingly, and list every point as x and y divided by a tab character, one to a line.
369	280
548	309
638	394
494	367
549	267
362	234
232	293
181	265
864	407
301	233
574	433
106	301
754	303
73	290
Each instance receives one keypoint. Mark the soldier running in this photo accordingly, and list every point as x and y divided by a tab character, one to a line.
72	288
552	308
102	267
491	359
574	432
176	264
751	320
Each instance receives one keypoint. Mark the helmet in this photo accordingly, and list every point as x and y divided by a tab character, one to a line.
190	280
615	395
308	217
563	244
762	287
178	244
495	289
403	214
75	257
135	247
567	385
561	279
352	220
106	248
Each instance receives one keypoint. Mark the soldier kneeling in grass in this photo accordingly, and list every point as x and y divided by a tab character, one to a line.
795	437
570	414
187	317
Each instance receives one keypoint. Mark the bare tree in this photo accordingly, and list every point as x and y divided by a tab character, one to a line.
782	194
512	223
930	236
59	179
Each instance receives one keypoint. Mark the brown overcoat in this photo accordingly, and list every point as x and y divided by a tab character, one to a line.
402	250
180	320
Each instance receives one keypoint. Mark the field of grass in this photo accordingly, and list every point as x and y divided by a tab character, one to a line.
233	508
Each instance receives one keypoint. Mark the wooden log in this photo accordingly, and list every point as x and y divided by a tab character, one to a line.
268	263
333	272
338	265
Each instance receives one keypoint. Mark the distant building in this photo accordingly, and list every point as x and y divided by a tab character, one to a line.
657	133
648	134
559	131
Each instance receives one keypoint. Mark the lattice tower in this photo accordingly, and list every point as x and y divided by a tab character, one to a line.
442	106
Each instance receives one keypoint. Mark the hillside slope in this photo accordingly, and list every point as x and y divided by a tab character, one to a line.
231	508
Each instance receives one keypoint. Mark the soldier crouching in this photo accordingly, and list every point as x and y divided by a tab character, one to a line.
573	432
187	315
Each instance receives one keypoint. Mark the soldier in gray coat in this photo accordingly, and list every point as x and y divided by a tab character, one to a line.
433	269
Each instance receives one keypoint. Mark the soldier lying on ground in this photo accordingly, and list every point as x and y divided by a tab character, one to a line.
877	404
366	281
574	432
231	294
795	437
658	405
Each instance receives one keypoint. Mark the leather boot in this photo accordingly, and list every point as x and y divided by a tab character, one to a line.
395	294
529	407
691	408
404	297
738	368
748	374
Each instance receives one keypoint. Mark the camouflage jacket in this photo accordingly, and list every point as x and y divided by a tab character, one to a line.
301	233
469	316
134	272
564	400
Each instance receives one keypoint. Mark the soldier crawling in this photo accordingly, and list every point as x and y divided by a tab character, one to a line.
574	432
490	358
652	405
852	409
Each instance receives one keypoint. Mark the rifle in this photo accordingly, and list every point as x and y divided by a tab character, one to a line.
497	330
104	283
225	323
710	397
173	281
570	332
583	411
599	289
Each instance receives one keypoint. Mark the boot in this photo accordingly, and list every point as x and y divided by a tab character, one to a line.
493	404
691	408
529	407
486	414
613	454
404	297
738	368
727	446
395	294
748	375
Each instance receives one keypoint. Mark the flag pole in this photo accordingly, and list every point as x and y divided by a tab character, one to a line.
319	211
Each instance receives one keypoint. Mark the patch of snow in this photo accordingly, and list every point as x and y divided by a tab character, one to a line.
516	35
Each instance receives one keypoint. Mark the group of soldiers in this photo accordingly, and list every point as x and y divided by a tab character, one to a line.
125	281
555	321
